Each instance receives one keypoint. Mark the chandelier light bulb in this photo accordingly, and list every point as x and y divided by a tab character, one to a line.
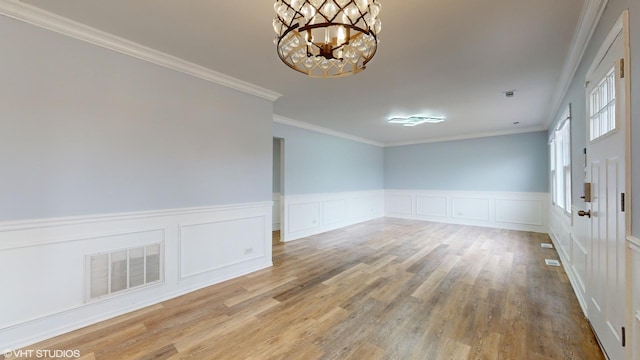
327	38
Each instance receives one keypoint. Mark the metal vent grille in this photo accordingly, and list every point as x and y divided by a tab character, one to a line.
551	262
120	270
546	246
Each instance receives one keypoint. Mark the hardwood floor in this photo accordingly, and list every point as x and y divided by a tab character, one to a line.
384	289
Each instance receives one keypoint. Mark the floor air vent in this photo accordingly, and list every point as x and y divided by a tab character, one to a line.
546	246
110	273
551	262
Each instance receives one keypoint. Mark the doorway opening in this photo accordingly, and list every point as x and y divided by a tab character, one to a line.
278	188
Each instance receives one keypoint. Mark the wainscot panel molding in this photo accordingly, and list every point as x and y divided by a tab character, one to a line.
307	215
199	247
514	211
569	244
277	211
42	18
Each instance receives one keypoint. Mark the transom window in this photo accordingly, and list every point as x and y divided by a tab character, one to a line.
602	116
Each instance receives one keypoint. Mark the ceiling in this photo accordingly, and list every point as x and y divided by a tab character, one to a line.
435	57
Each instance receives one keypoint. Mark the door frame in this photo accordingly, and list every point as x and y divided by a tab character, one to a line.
621	26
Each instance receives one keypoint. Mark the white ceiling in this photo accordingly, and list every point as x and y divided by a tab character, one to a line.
435	57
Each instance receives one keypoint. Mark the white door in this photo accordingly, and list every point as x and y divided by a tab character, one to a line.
606	171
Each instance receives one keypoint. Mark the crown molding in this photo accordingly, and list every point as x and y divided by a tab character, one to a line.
469	136
589	19
303	125
44	19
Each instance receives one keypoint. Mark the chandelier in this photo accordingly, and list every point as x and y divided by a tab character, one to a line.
327	38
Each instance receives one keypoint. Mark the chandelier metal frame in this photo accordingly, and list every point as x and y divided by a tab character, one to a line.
327	38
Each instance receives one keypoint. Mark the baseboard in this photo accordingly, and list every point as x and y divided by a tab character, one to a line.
201	247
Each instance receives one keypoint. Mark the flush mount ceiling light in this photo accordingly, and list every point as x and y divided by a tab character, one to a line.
327	38
416	120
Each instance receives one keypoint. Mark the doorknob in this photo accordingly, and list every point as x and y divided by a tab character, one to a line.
585	213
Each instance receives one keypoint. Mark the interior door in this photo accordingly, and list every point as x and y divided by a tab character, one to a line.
605	170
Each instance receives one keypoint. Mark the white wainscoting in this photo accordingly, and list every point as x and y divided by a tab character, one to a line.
634	337
306	215
516	211
570	237
43	278
277	211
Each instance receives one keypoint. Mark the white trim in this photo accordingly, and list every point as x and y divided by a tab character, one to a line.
182	275
628	101
502	210
303	125
74	220
469	136
561	228
615	31
42	18
310	214
633	243
589	19
34	319
58	323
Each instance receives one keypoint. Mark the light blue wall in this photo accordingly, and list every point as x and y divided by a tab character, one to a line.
501	163
85	130
319	163
276	165
576	97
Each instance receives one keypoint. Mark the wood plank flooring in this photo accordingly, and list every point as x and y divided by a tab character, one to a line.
384	289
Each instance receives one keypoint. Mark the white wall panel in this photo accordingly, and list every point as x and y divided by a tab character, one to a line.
516	211
303	216
201	247
579	263
528	212
210	246
307	215
432	206
468	208
398	204
334	211
365	207
276	211
568	241
51	276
